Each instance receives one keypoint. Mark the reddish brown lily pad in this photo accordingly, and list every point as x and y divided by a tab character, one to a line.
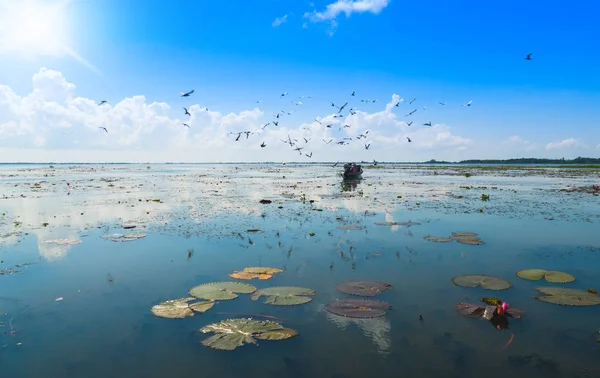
363	288
358	308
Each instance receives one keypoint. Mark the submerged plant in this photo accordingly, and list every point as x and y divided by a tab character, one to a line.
233	333
284	295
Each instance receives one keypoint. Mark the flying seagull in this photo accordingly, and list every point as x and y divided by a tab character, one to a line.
186	112
367	146
413	100
263	145
186	125
187	94
528	57
468	103
442	103
103	128
427	124
102	102
408	139
342	107
353	93
409	123
283	94
397	104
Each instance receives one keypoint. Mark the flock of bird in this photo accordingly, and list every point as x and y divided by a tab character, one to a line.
295	144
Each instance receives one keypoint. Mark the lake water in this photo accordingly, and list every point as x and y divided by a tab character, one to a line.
196	219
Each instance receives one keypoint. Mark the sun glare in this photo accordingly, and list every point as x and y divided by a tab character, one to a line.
33	26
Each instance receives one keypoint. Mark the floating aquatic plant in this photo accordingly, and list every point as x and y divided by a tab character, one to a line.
62	242
363	288
492	301
123	237
284	295
350	227
409	223
180	308
233	333
262	273
462	237
487	282
567	297
550	275
438	239
358	308
221	290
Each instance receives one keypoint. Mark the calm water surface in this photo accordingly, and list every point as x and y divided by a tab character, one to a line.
103	327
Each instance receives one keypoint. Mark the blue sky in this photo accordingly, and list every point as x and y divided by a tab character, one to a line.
232	55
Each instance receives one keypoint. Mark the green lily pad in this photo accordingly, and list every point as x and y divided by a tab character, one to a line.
438	239
202	306
284	295
567	297
281	334
221	290
487	282
470	240
173	309
233	333
550	275
464	234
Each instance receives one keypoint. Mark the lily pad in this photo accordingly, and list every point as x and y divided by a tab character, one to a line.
173	309
550	275
350	227
249	276
358	308
282	334
262	273
474	311
262	270
284	295
233	333
221	290
470	240
438	239
62	241
123	237
487	282
202	306
492	301
463	234
363	288
409	223
567	297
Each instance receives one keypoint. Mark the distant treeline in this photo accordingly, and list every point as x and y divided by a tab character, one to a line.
579	161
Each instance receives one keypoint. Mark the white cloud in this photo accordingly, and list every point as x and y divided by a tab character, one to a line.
333	10
52	124
566	144
280	20
520	144
347	7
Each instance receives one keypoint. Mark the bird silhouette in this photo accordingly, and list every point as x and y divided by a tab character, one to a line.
528	57
187	94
